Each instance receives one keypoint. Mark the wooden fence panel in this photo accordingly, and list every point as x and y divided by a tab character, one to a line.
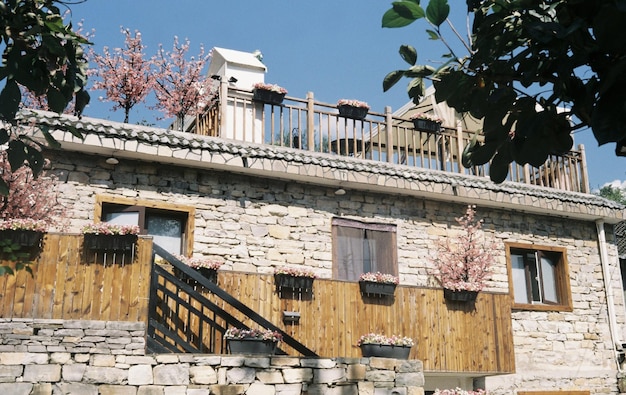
67	284
450	336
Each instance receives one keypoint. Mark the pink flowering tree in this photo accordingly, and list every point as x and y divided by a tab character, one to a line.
464	262
181	86
29	197
124	73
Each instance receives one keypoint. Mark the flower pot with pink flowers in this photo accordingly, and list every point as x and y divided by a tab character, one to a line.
463	263
268	93
105	236
426	122
377	345
378	284
353	109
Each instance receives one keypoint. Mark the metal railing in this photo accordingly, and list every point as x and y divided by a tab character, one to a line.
181	319
316	126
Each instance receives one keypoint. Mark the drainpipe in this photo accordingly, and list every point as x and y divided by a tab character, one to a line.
604	261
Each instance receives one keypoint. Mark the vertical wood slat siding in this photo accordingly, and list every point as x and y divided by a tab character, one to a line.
450	337
65	286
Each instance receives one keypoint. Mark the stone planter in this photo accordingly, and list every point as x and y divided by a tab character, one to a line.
460	295
23	238
251	346
374	288
100	242
267	96
385	351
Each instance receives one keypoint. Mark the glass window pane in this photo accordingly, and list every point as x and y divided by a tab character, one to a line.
548	276
533	275
167	232
122	218
519	279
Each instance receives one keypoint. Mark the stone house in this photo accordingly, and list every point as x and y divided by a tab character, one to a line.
236	192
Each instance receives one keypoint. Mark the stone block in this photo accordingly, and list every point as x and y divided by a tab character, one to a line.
288	389
356	372
42	389
103	360
383	363
73	372
410	379
77	388
380	376
42	373
285	361
328	376
140	375
231	389
117	390
365	388
414	365
175	390
104	375
202	375
152	390
261	389
240	376
322	363
10	372
17	388
22	358
270	377
298	375
171	374
261	362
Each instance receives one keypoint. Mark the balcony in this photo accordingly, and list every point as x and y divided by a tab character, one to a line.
315	126
467	339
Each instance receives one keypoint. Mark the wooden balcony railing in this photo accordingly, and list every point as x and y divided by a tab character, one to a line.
316	126
67	284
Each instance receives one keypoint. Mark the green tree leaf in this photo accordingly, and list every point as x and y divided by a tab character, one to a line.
409	54
10	98
391	79
437	11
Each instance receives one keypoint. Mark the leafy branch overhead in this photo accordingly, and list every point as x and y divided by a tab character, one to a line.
534	72
43	54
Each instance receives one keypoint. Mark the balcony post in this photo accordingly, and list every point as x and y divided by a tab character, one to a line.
460	144
389	137
223	108
584	181
310	121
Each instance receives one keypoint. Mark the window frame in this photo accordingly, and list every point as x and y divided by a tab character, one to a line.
372	226
562	278
141	205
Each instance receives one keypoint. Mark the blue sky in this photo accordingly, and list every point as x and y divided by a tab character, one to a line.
336	49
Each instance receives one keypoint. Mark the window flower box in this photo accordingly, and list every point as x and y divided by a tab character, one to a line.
378	283
376	345
352	109
206	267
426	122
252	341
296	279
459	295
104	236
23	232
268	93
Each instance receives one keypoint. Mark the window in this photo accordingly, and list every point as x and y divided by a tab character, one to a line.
360	247
538	277
171	226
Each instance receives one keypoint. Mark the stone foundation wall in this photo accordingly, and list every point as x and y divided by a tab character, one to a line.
50	357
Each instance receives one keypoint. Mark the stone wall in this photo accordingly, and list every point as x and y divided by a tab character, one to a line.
255	224
46	357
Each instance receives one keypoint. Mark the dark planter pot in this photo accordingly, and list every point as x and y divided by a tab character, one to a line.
358	113
373	288
385	351
100	242
23	238
285	281
209	274
251	346
426	125
460	295
265	96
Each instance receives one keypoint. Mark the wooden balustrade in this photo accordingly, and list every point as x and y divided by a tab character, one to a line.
316	126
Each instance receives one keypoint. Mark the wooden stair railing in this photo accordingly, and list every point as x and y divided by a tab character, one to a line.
171	296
